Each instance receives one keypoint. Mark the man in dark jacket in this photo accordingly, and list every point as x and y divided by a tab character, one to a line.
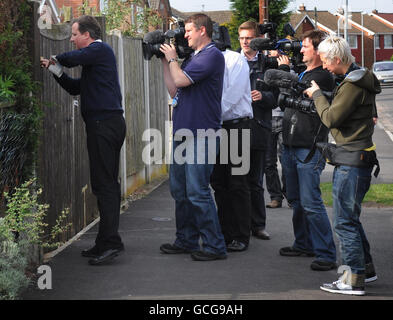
105	126
350	118
311	225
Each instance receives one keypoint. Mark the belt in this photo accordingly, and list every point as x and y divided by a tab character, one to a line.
234	121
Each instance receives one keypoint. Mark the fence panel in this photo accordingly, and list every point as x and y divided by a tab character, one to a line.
63	168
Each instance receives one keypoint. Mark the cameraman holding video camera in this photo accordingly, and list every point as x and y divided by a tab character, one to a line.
350	117
302	165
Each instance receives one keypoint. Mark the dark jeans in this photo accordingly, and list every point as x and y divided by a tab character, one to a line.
350	184
311	223
273	152
196	214
104	141
232	193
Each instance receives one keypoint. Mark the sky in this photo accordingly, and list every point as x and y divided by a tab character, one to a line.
331	5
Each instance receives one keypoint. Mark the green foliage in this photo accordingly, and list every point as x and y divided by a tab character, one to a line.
24	226
15	63
12	269
130	16
85	9
249	10
379	195
6	84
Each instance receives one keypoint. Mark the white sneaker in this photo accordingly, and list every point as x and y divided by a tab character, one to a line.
340	287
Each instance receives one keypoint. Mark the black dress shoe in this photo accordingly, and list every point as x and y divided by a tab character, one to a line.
207	256
261	234
90	253
323	265
237	246
106	256
295	252
173	249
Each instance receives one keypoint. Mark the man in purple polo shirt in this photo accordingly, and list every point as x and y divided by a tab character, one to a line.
197	88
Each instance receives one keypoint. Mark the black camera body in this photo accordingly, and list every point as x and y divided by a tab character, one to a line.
288	46
153	40
292	96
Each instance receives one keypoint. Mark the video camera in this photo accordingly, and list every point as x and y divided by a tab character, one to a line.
152	41
291	91
288	46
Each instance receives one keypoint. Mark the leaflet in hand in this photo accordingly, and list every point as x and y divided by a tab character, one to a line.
57	68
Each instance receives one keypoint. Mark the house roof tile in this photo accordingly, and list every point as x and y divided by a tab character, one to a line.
330	21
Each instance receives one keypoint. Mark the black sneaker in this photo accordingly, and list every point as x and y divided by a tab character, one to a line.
294	252
370	273
206	256
340	287
318	265
173	249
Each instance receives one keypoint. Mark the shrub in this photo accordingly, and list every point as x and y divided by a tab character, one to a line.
22	227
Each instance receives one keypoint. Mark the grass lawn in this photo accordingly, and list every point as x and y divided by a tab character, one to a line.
379	195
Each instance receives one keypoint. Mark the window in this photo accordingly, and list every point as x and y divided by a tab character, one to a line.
353	41
387	41
376	41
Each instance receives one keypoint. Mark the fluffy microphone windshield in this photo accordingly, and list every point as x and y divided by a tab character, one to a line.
275	77
261	44
156	36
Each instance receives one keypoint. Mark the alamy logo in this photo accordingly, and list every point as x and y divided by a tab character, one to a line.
45	19
200	148
45	281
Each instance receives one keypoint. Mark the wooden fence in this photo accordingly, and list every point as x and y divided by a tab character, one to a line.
63	168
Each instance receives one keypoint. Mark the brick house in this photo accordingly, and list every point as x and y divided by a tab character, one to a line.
372	31
164	9
75	4
161	6
385	39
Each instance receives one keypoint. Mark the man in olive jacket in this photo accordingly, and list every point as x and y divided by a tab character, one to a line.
350	118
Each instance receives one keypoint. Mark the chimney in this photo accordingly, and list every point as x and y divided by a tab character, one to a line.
302	7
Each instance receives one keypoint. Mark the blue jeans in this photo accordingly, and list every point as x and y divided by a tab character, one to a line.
196	213
350	184
311	224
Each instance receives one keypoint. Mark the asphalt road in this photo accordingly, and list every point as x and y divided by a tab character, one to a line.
260	273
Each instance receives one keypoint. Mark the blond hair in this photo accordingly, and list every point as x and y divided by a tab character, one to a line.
336	47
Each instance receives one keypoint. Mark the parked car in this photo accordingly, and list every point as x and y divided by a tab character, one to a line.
384	71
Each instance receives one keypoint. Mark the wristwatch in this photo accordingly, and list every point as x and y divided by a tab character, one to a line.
171	60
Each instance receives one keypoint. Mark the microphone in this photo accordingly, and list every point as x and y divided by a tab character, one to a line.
277	78
259	44
156	36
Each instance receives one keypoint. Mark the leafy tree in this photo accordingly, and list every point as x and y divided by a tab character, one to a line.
132	17
244	10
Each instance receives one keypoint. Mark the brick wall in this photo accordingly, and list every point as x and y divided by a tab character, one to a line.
77	3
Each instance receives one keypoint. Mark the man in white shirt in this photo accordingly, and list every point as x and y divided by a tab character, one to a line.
263	101
232	191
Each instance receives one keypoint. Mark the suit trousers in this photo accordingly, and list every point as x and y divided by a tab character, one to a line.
232	191
104	141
